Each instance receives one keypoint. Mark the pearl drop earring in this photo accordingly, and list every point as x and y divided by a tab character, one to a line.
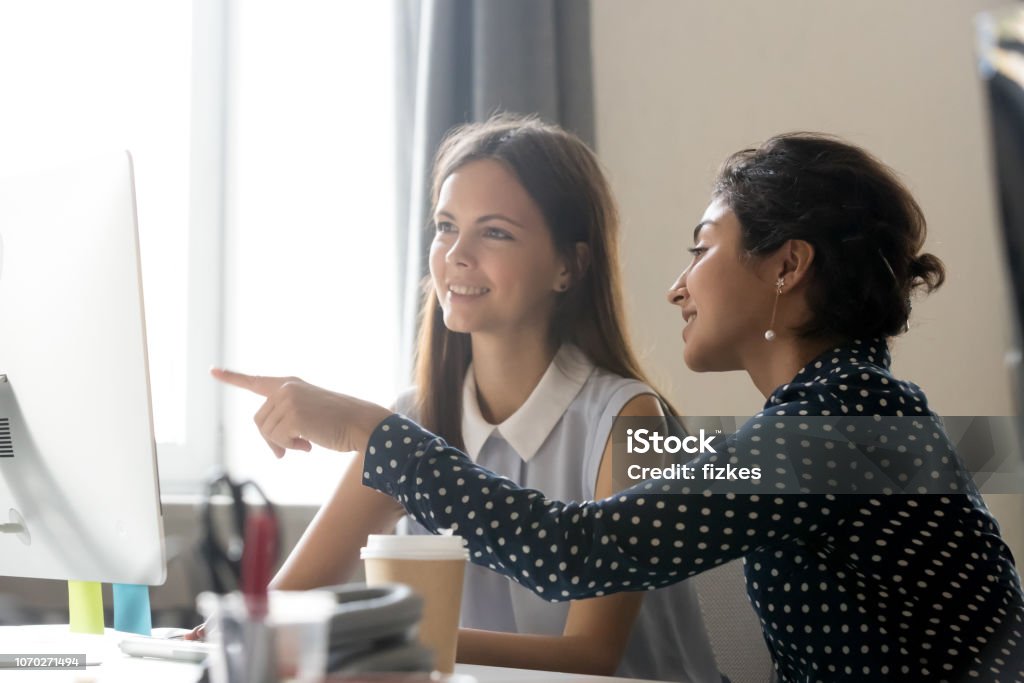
769	334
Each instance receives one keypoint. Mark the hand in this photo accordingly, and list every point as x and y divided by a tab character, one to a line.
297	414
198	633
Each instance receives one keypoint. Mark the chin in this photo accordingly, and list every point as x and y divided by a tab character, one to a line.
464	325
692	359
459	326
453	323
697	361
696	366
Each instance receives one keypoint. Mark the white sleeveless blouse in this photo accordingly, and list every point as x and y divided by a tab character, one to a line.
554	443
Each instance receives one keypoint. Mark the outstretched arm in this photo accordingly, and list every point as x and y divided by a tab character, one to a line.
646	537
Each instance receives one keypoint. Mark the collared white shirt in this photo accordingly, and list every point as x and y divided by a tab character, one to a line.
527	428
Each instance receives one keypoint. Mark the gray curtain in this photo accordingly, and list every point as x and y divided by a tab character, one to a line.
460	61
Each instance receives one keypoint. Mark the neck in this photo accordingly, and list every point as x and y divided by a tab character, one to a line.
507	369
778	361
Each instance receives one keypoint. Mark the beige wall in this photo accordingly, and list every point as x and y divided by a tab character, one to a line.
681	84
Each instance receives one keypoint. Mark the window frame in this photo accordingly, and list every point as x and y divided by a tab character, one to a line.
185	465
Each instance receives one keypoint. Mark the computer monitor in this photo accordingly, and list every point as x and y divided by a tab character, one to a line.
79	493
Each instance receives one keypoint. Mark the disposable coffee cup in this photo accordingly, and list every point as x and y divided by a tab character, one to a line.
433	566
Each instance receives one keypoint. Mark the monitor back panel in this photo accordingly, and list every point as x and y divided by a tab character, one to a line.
77	454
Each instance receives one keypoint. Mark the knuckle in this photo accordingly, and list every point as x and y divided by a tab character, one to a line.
292	385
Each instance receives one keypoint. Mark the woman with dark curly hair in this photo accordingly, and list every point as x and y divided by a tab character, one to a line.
882	563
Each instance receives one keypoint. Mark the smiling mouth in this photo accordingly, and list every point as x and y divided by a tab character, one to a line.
465	290
689	317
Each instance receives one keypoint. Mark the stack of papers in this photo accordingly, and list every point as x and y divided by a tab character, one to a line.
374	629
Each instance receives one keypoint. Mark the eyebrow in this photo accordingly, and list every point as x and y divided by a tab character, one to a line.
484	219
696	230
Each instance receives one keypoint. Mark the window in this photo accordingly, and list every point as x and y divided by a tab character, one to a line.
262	135
310	267
84	77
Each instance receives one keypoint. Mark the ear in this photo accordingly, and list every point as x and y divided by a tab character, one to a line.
792	262
573	273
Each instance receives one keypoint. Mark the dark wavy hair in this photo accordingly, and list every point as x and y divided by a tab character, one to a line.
866	229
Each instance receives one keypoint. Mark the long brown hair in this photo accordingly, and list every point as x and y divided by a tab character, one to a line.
562	175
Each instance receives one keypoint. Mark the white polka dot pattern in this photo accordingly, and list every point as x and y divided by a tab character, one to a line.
847	587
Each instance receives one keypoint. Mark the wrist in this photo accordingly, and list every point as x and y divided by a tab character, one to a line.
368	420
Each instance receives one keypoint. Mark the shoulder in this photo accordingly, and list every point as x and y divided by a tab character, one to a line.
642	405
605	391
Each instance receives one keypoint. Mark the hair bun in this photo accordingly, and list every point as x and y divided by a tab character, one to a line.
926	270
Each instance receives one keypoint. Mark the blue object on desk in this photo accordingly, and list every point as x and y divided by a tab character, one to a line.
131	609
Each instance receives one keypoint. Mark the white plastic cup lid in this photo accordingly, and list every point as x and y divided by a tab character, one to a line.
414	547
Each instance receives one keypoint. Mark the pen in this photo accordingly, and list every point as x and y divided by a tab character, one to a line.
259	551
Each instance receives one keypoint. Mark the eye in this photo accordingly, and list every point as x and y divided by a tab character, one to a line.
697	251
444	226
497	233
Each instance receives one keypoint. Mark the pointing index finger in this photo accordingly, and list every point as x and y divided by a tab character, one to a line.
264	386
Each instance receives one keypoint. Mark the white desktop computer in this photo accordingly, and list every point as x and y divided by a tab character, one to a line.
79	492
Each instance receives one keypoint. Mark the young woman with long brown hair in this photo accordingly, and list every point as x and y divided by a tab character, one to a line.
523	362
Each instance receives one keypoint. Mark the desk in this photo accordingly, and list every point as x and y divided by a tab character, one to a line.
498	674
118	667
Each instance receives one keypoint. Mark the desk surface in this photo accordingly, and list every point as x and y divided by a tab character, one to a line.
117	666
498	674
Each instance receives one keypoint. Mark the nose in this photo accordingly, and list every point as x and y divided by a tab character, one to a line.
460	254
677	293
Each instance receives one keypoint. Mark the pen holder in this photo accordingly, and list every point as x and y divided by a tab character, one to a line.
289	642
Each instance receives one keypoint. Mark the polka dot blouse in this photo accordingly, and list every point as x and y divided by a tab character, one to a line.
862	586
